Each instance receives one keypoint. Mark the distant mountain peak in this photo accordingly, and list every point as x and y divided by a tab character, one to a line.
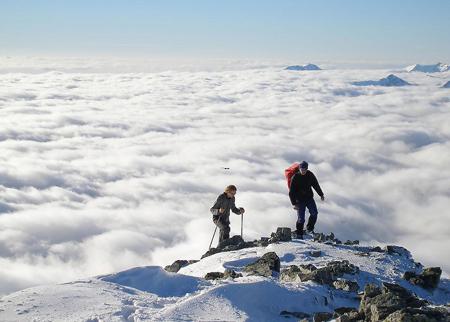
389	81
303	67
433	68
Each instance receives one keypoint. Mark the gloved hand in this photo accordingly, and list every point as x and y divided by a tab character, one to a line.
295	207
242	210
322	198
221	210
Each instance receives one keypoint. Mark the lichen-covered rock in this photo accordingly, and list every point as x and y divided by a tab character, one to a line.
345	285
321	276
178	264
429	279
265	265
377	249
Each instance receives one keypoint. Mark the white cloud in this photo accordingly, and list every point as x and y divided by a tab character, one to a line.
101	172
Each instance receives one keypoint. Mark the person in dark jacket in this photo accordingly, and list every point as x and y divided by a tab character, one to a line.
301	196
221	211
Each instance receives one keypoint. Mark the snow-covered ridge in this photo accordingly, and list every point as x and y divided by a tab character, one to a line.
433	68
271	280
389	81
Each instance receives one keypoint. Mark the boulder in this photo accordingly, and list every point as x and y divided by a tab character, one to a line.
429	279
291	274
229	273
377	304
214	276
339	268
321	276
345	285
265	265
178	264
418	315
377	249
397	250
234	243
284	233
322	316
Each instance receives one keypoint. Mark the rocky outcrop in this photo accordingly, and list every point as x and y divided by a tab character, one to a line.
345	285
397	250
282	234
298	315
429	279
378	304
324	275
322	316
178	264
264	266
234	243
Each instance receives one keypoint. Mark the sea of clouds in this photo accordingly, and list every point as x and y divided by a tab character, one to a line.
104	171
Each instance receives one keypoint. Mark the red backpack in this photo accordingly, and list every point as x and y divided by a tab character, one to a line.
289	172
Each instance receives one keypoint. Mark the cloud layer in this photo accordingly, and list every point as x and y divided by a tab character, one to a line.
102	172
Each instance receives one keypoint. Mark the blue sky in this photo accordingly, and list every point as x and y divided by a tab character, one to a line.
333	30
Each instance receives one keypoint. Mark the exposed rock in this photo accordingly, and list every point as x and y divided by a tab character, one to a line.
178	264
377	249
377	304
234	243
291	274
307	268
429	279
263	242
229	273
265	265
299	315
350	317
218	275
282	234
339	268
392	250
345	285
214	275
418	315
319	237
315	253
343	310
321	276
322	316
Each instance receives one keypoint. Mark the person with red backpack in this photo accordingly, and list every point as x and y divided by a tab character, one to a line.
302	196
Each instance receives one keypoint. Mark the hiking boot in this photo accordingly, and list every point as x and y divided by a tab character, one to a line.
299	235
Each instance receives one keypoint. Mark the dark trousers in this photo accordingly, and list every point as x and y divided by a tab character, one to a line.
312	208
224	229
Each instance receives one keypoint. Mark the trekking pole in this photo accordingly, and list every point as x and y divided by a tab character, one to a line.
242	226
212	238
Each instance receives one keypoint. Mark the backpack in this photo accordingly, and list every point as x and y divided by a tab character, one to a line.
290	172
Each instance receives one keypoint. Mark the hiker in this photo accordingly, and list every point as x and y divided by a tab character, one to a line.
301	196
221	211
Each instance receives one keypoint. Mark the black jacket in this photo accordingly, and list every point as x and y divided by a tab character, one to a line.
228	204
300	189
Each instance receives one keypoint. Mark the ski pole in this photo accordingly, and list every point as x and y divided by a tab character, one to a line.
212	238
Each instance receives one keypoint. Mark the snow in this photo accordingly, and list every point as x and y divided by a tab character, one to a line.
446	85
303	67
433	68
151	294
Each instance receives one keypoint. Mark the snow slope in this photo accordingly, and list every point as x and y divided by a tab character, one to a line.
151	294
